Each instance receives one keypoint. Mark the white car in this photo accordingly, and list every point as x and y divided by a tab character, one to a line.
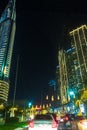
82	124
43	122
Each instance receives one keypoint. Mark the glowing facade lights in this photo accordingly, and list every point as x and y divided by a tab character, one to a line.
7	34
79	42
4	88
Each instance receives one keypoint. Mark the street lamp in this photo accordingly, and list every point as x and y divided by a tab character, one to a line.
47	97
29	104
72	94
58	98
52	98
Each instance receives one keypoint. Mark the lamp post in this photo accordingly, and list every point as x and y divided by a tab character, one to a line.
15	81
14	94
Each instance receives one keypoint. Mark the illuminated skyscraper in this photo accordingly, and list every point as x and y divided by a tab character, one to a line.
67	74
73	66
7	34
58	85
63	76
79	42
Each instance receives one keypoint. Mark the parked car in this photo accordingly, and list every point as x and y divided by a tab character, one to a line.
43	122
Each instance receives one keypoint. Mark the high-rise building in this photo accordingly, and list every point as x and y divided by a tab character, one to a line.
79	42
73	67
71	74
58	85
67	75
63	77
7	34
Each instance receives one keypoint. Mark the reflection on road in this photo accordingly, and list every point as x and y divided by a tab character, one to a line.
73	126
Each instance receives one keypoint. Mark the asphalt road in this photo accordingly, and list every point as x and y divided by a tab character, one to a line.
73	126
61	126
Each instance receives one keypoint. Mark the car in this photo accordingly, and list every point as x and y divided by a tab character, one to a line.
70	117
64	123
82	124
67	117
43	122
62	118
79	118
55	117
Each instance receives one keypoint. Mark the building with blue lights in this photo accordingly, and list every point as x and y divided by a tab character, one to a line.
7	35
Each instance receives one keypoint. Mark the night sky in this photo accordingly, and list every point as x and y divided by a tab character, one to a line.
41	28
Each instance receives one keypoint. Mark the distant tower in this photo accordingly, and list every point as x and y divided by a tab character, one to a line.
7	34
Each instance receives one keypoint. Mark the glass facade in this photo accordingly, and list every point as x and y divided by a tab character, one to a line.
7	34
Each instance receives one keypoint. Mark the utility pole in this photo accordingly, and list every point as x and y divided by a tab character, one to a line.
14	94
41	97
15	81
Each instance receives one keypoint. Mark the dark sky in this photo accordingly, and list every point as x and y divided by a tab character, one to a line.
41	28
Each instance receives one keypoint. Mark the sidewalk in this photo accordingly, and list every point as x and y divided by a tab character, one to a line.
14	126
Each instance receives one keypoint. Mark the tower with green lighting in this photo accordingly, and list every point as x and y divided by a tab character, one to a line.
7	35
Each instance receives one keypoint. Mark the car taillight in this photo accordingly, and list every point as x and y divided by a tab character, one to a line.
56	118
31	124
66	118
54	124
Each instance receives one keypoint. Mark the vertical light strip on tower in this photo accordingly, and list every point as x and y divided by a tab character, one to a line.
63	80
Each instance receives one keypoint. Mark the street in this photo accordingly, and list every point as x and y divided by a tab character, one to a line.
73	126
